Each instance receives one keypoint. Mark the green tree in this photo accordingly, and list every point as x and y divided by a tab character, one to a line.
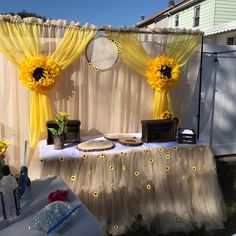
24	14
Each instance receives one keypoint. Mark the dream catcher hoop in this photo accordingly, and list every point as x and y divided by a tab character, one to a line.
101	53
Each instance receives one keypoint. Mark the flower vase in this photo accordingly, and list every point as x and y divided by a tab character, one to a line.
58	142
2	163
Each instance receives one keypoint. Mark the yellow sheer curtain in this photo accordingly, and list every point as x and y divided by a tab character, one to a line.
72	45
179	46
131	50
19	41
182	46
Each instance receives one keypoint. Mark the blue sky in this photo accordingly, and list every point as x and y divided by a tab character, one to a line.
98	12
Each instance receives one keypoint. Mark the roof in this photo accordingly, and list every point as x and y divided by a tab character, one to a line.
153	18
222	28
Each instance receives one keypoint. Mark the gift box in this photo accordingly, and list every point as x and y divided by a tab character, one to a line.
158	130
187	136
72	135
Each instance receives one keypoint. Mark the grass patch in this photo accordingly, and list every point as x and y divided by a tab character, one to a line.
227	179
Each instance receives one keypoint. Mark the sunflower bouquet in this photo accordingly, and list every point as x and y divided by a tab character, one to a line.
3	147
169	115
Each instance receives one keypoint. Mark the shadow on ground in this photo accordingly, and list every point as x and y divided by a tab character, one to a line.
227	177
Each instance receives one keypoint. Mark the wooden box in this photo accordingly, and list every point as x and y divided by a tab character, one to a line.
72	135
158	131
186	137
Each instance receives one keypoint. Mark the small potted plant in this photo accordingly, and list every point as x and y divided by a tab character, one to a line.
3	147
59	134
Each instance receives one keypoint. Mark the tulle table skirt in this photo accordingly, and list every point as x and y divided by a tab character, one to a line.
168	186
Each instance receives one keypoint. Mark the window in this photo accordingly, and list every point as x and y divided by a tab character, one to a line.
176	20
196	16
230	41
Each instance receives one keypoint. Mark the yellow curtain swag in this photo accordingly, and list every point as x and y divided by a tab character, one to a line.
39	73
162	73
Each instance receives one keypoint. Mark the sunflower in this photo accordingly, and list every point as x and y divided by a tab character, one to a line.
73	177
96	194
122	153
3	147
167	156
148	186
166	115
63	115
2	151
170	115
39	73
145	150
111	167
162	73
176	218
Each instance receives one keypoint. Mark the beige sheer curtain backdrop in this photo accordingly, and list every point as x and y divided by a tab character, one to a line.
110	101
115	100
14	115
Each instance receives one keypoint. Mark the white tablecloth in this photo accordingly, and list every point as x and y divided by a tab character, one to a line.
172	185
84	223
47	152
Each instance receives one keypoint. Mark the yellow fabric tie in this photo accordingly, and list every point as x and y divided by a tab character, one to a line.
39	104
161	103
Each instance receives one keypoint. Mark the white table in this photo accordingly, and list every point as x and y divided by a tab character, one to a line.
173	184
47	152
83	224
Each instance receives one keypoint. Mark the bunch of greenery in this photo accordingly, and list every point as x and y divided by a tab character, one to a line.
61	120
24	14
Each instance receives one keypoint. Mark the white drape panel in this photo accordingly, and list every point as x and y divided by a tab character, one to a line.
115	100
14	115
106	101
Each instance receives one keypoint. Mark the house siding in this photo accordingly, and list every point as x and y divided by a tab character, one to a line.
207	14
161	24
225	11
212	13
221	39
185	19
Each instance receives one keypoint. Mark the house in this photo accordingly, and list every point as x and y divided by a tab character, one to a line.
216	18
